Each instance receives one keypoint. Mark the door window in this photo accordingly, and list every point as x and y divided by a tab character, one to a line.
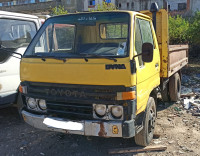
146	31
143	34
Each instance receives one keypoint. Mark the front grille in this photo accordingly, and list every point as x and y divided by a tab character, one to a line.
73	101
70	110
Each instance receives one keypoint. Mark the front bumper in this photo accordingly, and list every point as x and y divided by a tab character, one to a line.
89	127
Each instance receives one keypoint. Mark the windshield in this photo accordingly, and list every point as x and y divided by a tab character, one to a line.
14	34
80	35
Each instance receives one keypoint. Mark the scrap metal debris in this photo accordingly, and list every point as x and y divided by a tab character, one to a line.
138	149
190	97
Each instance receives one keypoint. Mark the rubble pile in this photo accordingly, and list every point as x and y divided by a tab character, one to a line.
190	93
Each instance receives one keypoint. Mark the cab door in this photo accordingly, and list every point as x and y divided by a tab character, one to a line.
148	74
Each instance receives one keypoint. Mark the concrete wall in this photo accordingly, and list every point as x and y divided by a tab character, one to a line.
195	5
137	4
174	3
31	8
70	6
82	5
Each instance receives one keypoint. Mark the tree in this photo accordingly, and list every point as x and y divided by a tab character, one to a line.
105	7
194	29
60	10
178	30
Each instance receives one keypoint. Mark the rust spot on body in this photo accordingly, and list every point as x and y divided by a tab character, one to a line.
165	61
102	132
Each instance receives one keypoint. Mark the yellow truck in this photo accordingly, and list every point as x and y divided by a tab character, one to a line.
99	73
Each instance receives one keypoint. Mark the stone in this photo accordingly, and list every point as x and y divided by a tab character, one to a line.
170	142
181	152
157	141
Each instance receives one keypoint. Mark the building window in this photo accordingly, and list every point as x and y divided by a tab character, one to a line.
132	5
91	3
182	6
127	5
120	5
169	8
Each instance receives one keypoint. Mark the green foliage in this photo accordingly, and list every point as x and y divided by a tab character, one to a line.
186	31
178	30
194	29
105	7
60	10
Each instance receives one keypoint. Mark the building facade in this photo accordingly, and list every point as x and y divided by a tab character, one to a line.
137	5
44	6
39	6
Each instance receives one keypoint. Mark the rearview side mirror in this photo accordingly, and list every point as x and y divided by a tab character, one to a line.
147	52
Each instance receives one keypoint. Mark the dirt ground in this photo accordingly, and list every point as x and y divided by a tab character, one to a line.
179	130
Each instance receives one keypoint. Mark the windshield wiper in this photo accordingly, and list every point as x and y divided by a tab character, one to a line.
86	56
43	58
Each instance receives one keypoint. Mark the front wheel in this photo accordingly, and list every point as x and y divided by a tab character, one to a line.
144	137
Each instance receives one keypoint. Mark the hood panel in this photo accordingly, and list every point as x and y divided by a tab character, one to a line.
72	72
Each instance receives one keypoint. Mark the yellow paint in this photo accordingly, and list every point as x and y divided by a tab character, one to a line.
148	77
77	71
163	39
115	129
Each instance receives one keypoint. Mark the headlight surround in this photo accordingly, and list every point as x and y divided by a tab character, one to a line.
117	111
100	110
32	103
42	104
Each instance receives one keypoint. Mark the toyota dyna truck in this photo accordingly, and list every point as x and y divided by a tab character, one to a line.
99	73
16	32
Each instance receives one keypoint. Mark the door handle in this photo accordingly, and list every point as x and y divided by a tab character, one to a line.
156	65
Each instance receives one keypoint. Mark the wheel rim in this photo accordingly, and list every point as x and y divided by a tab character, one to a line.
152	119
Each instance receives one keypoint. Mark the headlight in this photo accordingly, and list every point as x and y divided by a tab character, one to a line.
100	110
32	103
42	104
117	111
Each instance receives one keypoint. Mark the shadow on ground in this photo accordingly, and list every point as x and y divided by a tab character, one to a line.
18	138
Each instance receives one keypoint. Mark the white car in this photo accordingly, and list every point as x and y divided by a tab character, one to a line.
16	32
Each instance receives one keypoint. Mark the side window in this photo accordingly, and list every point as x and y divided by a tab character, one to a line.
143	34
138	41
146	31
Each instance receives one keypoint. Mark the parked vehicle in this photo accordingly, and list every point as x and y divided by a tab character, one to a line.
17	31
99	73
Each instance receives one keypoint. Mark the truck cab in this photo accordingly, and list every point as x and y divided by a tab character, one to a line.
93	74
17	31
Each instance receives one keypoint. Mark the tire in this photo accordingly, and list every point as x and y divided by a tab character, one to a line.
19	106
175	87
165	94
144	137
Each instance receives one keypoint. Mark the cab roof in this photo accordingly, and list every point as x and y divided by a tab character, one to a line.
6	13
118	11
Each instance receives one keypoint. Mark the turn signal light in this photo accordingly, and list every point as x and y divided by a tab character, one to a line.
126	95
22	89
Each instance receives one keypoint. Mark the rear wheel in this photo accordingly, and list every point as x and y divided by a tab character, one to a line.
175	87
165	93
144	137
